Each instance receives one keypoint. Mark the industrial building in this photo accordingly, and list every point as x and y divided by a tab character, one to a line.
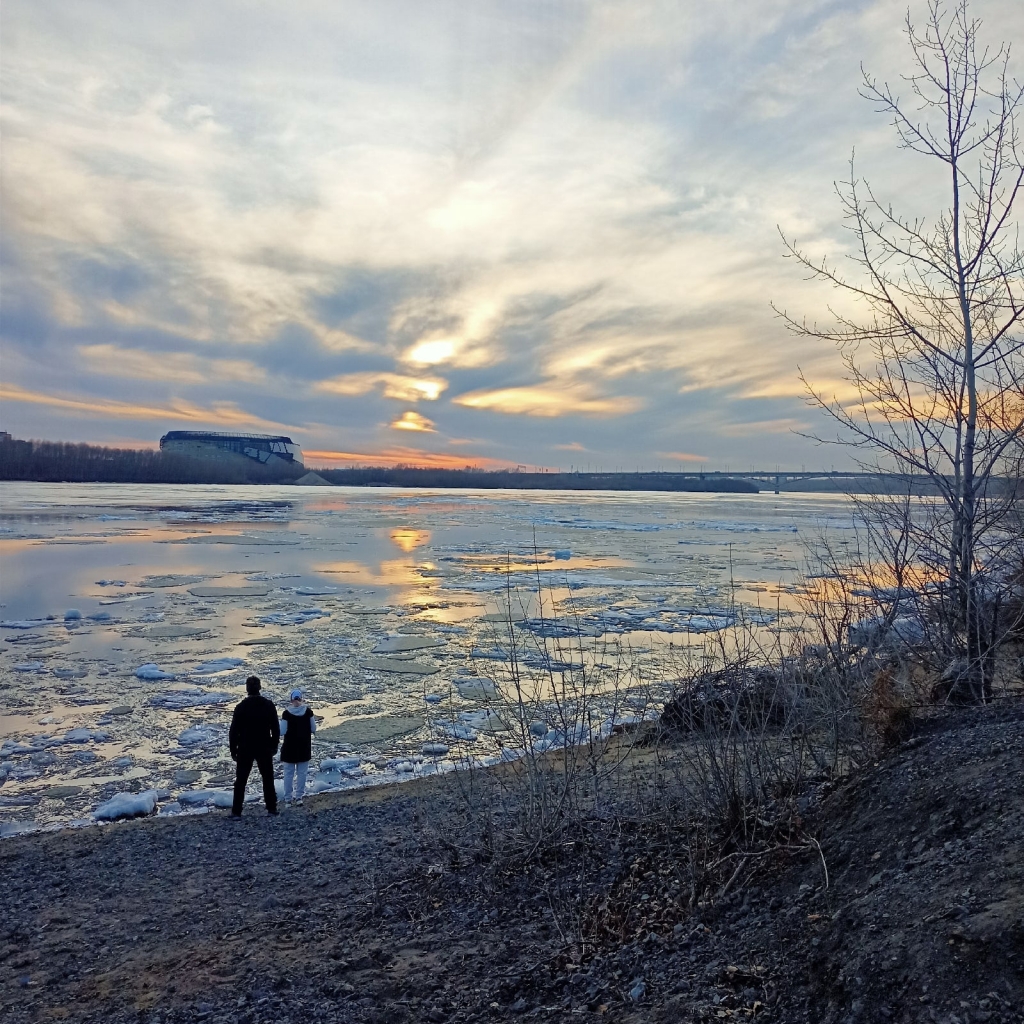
267	449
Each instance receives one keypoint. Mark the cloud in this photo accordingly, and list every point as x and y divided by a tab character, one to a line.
413	421
682	456
549	399
558	206
391	385
224	414
408	457
179	367
574	447
785	425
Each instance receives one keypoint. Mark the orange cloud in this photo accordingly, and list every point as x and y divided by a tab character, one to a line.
393	385
225	414
549	399
683	456
181	367
408	457
413	421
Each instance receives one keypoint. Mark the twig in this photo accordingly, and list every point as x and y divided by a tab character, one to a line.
823	864
732	878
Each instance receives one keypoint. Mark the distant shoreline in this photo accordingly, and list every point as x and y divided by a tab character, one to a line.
508	480
67	462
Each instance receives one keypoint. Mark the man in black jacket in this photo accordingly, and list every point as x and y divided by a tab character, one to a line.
254	736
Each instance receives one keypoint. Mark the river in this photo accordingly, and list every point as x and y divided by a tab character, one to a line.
131	615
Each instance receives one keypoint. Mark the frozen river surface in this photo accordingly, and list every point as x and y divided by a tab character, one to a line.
131	616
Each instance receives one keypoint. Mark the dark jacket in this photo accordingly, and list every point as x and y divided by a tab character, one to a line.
254	727
298	739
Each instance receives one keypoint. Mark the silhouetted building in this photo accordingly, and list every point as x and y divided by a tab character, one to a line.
267	449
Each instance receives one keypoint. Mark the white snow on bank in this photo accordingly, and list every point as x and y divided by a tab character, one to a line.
127	805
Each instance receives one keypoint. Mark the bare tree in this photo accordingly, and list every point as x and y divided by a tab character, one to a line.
936	358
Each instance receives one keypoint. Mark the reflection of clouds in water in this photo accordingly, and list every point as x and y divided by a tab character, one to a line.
408	539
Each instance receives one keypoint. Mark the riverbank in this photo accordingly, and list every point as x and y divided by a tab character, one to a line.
898	897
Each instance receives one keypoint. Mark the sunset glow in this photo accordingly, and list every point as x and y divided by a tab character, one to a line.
537	221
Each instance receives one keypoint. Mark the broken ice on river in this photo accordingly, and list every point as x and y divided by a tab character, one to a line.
131	616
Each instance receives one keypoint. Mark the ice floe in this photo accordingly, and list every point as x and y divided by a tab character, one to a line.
476	688
205	798
417	668
455	730
191	697
151	671
82	735
294	618
16	828
127	805
201	735
173	631
126	598
167	580
405	642
340	764
210	668
209	591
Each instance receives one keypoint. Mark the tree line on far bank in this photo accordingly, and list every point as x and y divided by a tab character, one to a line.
67	462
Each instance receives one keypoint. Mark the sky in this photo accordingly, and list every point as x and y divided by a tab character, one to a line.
497	233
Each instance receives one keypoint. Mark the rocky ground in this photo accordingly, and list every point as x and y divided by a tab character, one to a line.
897	896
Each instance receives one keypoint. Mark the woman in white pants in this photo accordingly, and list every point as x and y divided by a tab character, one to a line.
297	727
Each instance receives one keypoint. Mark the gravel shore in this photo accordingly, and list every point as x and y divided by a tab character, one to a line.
904	903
